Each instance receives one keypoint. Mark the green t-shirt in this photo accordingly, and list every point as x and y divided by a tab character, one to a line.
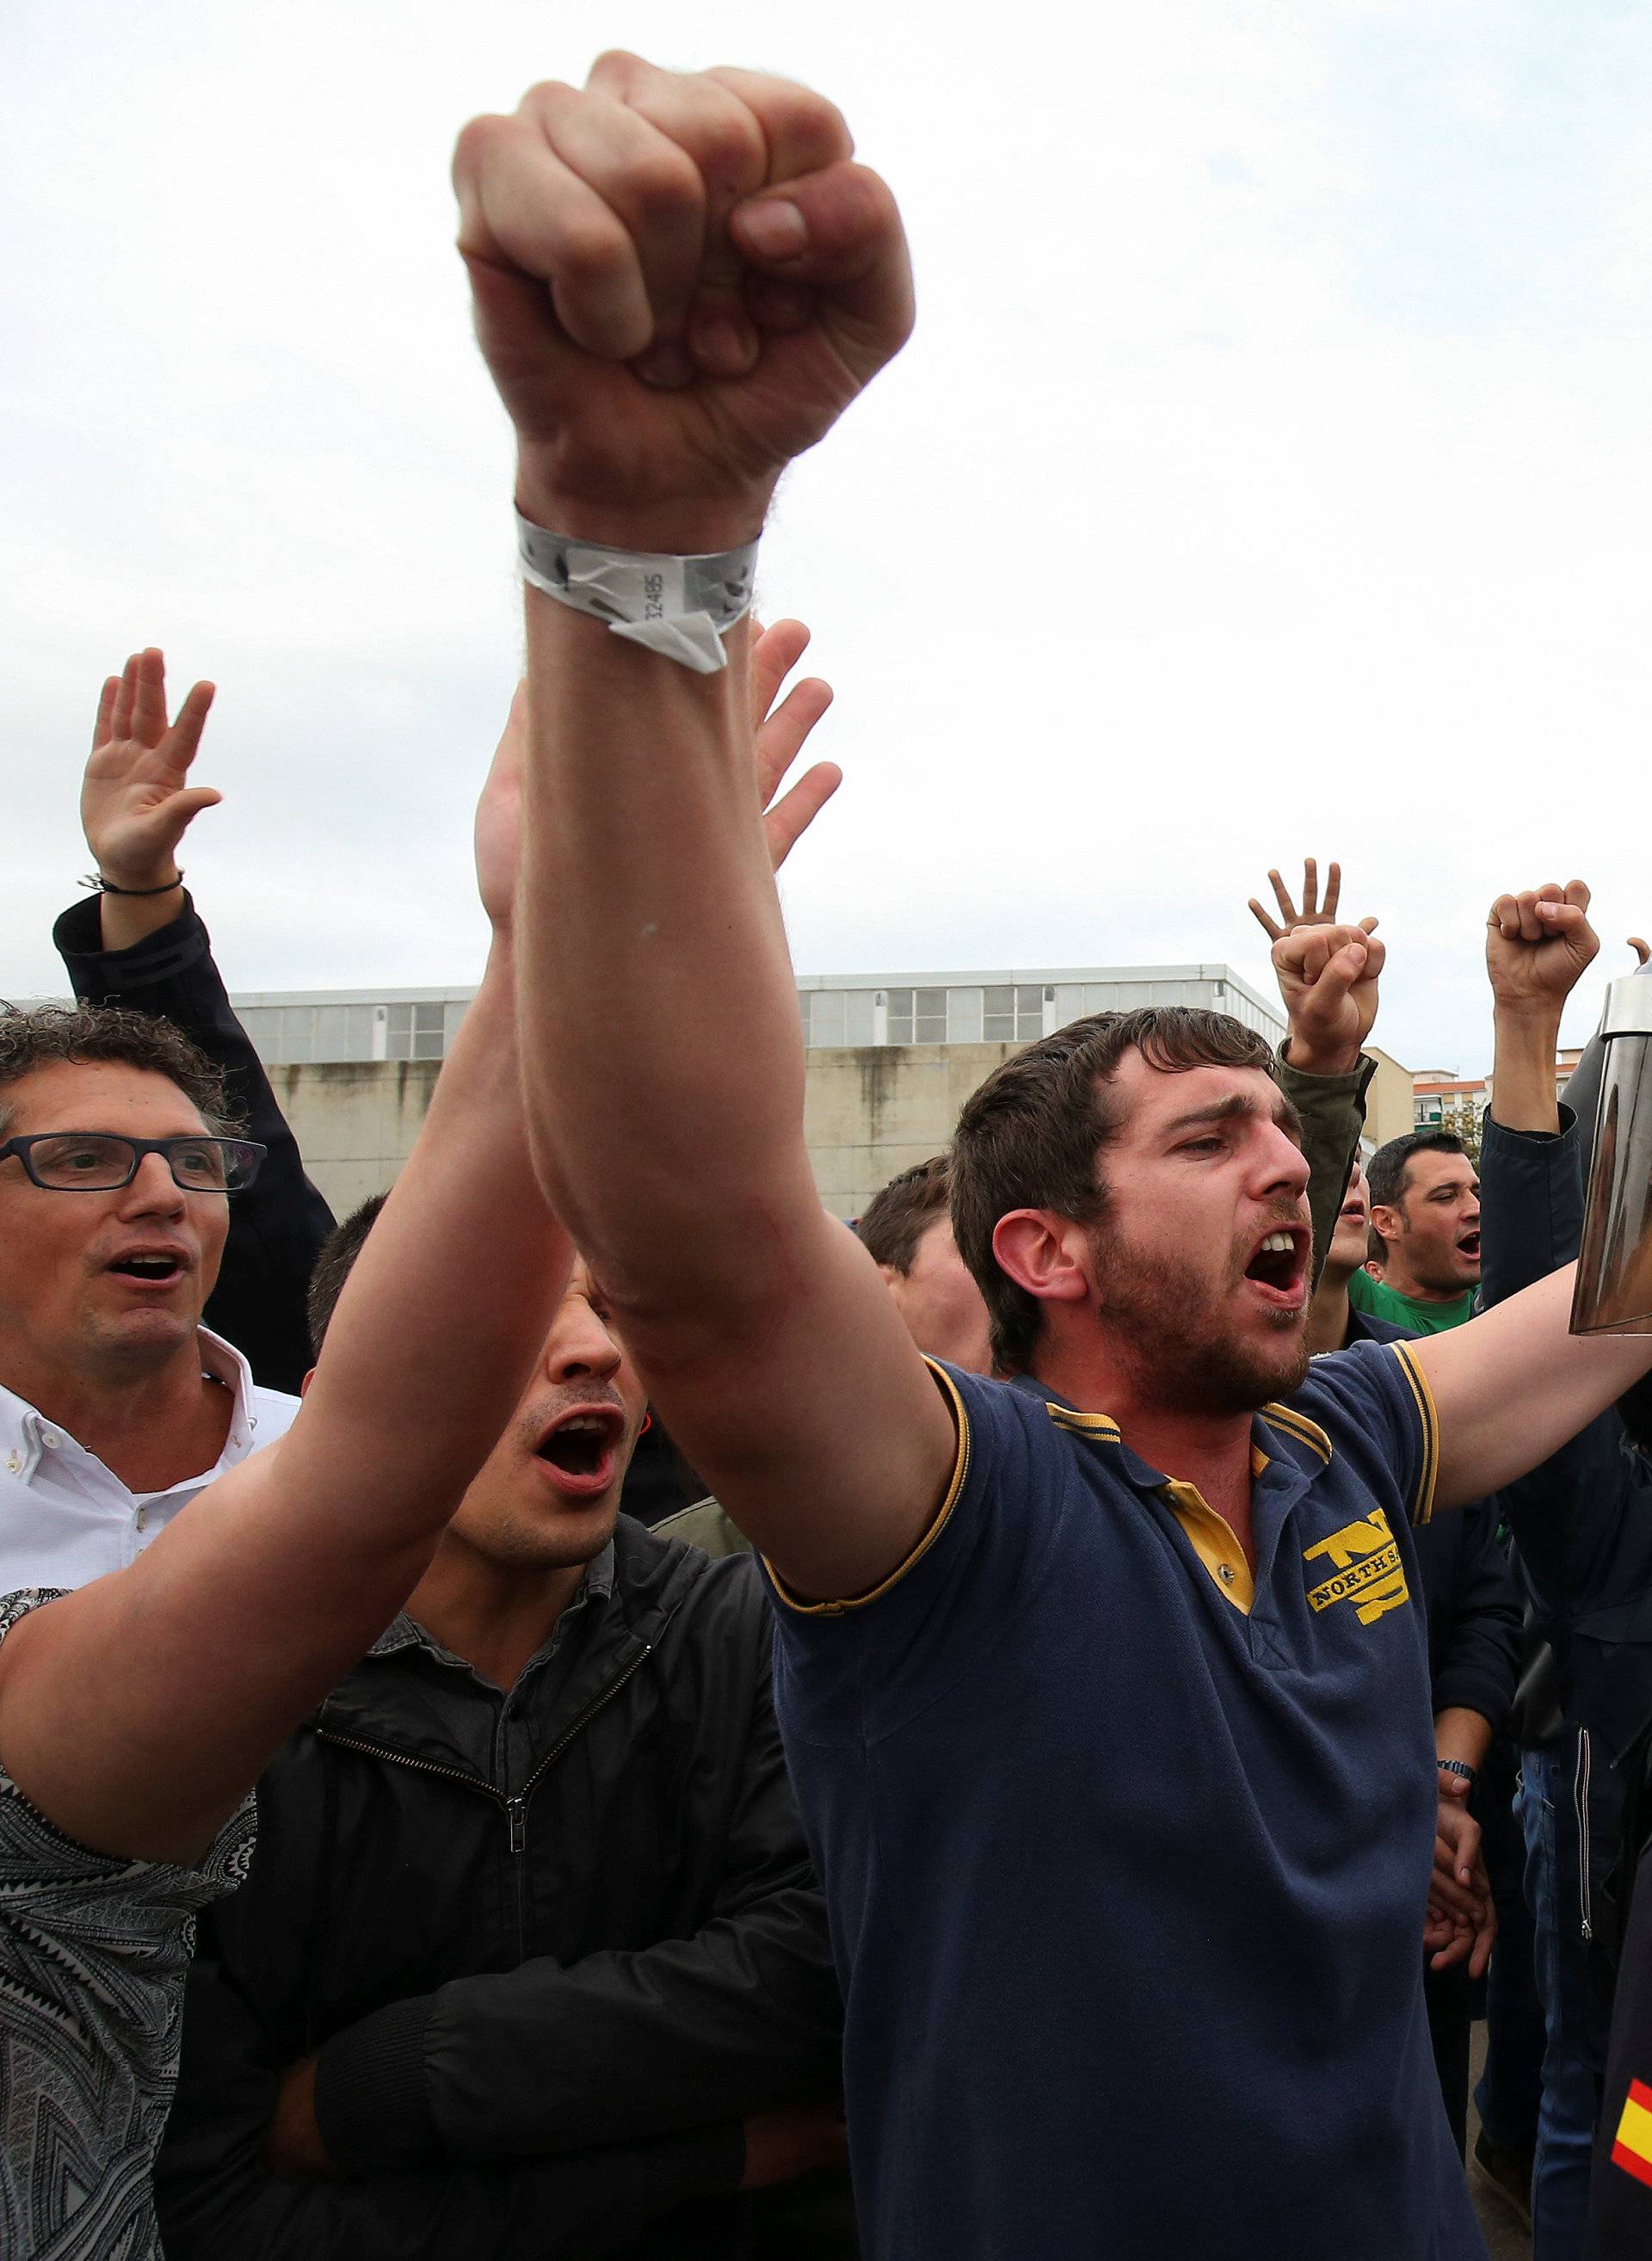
1385	1302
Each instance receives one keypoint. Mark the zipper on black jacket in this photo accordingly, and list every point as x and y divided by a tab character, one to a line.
1580	1801
515	1808
519	1819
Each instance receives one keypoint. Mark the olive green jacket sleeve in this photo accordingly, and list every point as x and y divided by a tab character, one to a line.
1333	1111
706	1525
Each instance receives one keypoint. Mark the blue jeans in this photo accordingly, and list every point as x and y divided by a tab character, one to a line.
1509	2094
1568	1814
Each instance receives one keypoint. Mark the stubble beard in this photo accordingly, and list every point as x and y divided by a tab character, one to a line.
1161	1315
1434	1283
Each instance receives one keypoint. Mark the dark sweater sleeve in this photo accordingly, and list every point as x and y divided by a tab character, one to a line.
743	2015
277	1225
1475	1656
1582	1096
1563	1513
1531	1205
1333	1111
216	2197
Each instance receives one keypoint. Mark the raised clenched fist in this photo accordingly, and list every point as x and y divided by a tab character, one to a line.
1538	945
680	282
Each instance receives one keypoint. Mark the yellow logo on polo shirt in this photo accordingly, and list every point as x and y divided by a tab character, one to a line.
1368	1573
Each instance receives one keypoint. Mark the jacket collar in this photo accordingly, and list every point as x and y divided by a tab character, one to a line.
404	1631
410	1693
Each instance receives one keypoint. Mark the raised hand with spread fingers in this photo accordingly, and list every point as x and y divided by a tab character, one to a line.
780	732
136	800
1327	972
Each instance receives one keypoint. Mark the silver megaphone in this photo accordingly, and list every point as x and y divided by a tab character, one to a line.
1614	1290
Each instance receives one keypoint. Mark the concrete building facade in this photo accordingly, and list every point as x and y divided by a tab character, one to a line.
890	1060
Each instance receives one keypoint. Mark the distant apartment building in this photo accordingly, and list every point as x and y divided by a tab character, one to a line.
1460	1103
1443	1101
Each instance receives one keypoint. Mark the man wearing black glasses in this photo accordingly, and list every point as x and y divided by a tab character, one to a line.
118	1166
139	942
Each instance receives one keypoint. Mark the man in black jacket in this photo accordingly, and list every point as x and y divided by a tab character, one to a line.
1583	1524
139	943
1474	1646
531	1960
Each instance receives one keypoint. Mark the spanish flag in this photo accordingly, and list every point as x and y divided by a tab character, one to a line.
1632	2148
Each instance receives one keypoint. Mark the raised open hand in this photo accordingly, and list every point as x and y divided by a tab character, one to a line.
1538	944
1314	913
680	282
498	817
136	802
780	733
1327	974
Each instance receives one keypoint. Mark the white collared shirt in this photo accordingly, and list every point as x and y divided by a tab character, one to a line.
65	1518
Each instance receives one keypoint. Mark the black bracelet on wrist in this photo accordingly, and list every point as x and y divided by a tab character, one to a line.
102	886
1459	1767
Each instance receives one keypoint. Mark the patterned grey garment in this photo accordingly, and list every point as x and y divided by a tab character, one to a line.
93	1956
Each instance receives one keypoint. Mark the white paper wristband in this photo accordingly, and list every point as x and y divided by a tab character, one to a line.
681	607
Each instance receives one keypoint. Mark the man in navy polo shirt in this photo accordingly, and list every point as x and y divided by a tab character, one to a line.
1105	1686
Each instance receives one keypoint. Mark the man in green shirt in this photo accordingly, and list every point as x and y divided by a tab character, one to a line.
1426	1208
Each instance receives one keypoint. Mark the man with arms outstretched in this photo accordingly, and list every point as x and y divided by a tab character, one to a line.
1105	1691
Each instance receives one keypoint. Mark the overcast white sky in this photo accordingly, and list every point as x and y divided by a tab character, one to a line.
1270	472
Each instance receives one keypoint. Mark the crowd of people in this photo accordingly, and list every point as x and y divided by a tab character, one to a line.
590	1708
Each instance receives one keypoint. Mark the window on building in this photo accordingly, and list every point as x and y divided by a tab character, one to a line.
917	1016
1013	1013
414	1032
825	1016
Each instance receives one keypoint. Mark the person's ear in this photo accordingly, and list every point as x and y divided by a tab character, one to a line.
1388	1222
1044	1253
304	1386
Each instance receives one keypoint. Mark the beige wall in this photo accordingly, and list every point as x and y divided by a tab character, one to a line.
354	1121
1390	1111
867	1115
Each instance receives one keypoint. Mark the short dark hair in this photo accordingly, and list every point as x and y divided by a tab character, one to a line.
1030	1137
896	1219
96	1036
339	1252
1385	1172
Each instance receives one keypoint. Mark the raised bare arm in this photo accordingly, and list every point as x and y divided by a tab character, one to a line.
138	1712
1513	1385
679	284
